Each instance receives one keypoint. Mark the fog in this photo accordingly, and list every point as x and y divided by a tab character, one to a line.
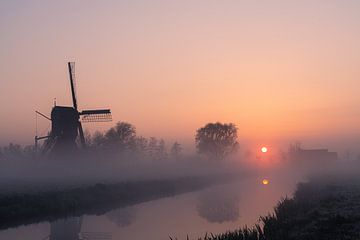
110	182
213	207
84	169
51	174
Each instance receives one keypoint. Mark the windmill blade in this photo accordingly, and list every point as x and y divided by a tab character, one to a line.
71	66
48	144
82	138
101	115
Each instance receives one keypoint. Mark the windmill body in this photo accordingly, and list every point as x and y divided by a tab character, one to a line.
64	128
66	123
70	229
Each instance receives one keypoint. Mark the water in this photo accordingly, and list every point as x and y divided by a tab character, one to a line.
216	209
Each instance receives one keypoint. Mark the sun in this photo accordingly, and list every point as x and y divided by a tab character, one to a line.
265	181
264	149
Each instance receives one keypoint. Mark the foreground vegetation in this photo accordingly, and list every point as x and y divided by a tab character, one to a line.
326	208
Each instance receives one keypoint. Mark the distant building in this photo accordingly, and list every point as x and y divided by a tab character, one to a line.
314	156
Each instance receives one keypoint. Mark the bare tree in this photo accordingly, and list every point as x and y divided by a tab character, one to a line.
162	152
29	151
141	144
176	150
157	149
12	151
217	140
152	147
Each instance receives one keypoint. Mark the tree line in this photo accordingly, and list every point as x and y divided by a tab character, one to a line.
123	138
214	140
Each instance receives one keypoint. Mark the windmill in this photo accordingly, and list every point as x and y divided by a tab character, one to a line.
66	122
70	229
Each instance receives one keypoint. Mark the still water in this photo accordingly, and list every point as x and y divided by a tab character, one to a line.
212	210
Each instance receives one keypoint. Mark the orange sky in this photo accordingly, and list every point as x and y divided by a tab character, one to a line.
280	70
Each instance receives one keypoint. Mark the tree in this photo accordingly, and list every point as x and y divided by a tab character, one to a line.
141	145
217	140
98	139
152	147
13	151
157	149
176	150
29	151
122	136
161	150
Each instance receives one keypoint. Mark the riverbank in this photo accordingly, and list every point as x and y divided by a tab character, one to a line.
21	209
324	208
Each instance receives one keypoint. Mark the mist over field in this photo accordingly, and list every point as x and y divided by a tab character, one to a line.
25	174
25	171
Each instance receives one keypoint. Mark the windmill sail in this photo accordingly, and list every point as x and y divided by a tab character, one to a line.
71	66
102	115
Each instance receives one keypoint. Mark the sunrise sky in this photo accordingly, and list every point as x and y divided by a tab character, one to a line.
280	70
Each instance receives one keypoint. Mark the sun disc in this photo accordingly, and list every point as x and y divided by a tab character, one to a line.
265	181
264	149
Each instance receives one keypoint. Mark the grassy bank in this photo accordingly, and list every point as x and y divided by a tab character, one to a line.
326	208
20	209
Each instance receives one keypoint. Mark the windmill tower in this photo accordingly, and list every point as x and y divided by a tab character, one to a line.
66	123
70	229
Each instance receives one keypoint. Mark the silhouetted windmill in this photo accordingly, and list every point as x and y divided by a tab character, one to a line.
70	229
66	124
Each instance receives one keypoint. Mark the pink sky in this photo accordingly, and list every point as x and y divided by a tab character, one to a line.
280	70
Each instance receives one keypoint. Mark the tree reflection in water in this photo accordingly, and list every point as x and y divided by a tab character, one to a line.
218	205
122	217
66	229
